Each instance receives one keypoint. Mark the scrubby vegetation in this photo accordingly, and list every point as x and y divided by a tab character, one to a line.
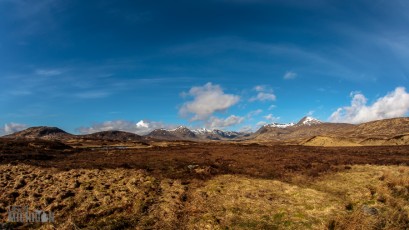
359	197
186	185
386	206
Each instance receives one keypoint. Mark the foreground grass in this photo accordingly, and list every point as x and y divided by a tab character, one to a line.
364	197
359	197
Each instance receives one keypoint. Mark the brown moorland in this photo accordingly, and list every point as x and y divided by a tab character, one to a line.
206	185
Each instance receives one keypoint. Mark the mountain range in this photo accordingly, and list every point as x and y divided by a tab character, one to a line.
308	131
183	133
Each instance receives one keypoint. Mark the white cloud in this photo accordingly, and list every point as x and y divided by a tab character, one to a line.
264	94
310	113
207	100
214	122
35	18
13	127
142	127
246	129
20	92
261	123
394	104
271	118
260	88
92	94
261	96
290	75
272	107
142	124
48	72
254	113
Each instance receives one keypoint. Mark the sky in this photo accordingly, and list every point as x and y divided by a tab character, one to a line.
137	65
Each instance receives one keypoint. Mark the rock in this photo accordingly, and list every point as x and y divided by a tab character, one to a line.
192	166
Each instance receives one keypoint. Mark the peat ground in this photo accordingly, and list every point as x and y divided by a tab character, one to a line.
189	160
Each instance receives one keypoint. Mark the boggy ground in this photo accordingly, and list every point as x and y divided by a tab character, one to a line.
187	185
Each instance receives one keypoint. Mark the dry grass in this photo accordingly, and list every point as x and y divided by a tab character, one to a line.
112	198
186	185
330	141
371	198
362	197
236	202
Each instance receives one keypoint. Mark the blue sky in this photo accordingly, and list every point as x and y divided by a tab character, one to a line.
233	64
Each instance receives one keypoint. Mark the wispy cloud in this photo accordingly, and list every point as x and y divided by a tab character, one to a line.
289	75
310	113
84	80
92	94
260	123
254	113
264	94
271	118
12	128
246	129
48	72
272	51
217	123
271	107
18	92
33	18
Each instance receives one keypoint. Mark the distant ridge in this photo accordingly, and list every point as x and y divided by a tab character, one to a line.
180	133
308	130
183	133
41	132
307	127
112	135
54	133
382	128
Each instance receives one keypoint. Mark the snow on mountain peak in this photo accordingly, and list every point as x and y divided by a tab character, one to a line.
201	130
278	125
181	127
215	131
309	121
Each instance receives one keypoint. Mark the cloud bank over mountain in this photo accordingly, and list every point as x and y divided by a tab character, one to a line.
142	127
12	128
393	104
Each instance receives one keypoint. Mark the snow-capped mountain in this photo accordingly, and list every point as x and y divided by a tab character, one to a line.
278	125
180	132
184	133
217	134
309	121
202	131
214	131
